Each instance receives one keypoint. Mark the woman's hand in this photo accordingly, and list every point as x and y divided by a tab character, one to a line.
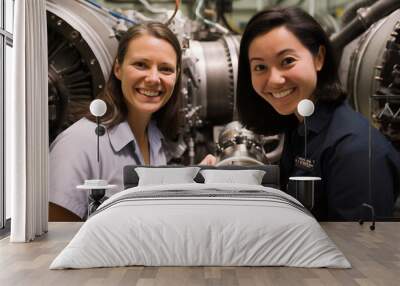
208	160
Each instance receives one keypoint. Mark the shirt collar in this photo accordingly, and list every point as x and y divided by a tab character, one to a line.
318	120
121	135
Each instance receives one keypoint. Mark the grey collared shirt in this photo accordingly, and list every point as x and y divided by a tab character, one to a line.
73	159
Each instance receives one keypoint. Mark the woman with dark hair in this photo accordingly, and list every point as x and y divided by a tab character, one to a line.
142	98
285	57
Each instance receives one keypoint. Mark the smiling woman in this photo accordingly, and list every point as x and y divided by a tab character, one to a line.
142	107
285	57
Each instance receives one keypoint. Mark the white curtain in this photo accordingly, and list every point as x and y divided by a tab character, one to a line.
27	123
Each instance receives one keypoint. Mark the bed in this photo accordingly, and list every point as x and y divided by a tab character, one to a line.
201	218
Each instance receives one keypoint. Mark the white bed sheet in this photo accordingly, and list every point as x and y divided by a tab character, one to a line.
183	231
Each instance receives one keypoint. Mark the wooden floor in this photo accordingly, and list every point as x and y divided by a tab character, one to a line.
374	255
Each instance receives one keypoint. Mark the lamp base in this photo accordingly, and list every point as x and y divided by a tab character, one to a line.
97	190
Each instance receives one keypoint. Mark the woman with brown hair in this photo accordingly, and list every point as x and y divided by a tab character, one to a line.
142	98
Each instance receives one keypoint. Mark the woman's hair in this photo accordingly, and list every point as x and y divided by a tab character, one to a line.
257	114
168	117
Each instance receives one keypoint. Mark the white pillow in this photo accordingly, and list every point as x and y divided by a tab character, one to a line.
162	176
249	177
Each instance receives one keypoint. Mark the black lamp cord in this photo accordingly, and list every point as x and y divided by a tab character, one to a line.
372	210
365	205
98	140
100	131
305	137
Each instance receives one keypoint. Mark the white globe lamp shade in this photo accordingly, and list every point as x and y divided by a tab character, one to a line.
98	107
305	107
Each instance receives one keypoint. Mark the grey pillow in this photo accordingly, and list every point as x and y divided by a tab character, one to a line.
248	177
162	176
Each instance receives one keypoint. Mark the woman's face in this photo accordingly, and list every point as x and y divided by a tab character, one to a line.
283	71
148	74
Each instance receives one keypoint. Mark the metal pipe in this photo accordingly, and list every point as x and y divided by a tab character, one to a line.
219	27
364	19
351	10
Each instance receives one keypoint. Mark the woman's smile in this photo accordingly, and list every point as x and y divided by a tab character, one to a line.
283	93
148	92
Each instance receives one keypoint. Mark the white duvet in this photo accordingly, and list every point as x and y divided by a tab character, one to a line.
201	224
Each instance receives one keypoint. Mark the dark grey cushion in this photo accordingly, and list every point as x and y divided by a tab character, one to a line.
270	179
